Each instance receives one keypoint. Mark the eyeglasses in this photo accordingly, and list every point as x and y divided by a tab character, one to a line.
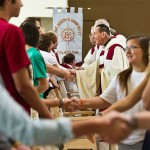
131	48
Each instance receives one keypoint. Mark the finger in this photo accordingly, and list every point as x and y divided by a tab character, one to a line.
74	105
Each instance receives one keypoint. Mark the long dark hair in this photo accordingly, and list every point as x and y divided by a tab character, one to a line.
31	33
124	76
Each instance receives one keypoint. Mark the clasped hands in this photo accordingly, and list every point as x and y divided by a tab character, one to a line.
71	104
112	127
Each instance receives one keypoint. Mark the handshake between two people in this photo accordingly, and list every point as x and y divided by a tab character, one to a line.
70	74
112	127
72	104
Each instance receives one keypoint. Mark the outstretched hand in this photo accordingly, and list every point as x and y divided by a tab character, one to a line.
116	127
76	100
70	105
72	71
69	76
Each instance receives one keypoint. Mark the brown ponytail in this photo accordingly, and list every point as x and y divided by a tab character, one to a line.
124	76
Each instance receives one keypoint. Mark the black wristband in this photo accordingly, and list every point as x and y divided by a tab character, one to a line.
60	103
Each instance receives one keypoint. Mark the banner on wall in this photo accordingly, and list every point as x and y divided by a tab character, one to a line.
69	29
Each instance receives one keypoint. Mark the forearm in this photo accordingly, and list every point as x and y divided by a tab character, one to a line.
143	120
52	102
31	96
61	102
16	124
28	92
53	70
146	96
87	127
95	103
41	88
121	106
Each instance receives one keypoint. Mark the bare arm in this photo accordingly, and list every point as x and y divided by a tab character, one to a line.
43	85
59	72
53	81
56	65
146	96
52	102
94	102
65	103
143	120
29	93
130	100
106	126
54	70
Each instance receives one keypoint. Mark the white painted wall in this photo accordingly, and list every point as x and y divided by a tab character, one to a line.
47	23
36	8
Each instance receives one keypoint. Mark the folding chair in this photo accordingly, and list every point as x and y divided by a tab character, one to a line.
65	92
